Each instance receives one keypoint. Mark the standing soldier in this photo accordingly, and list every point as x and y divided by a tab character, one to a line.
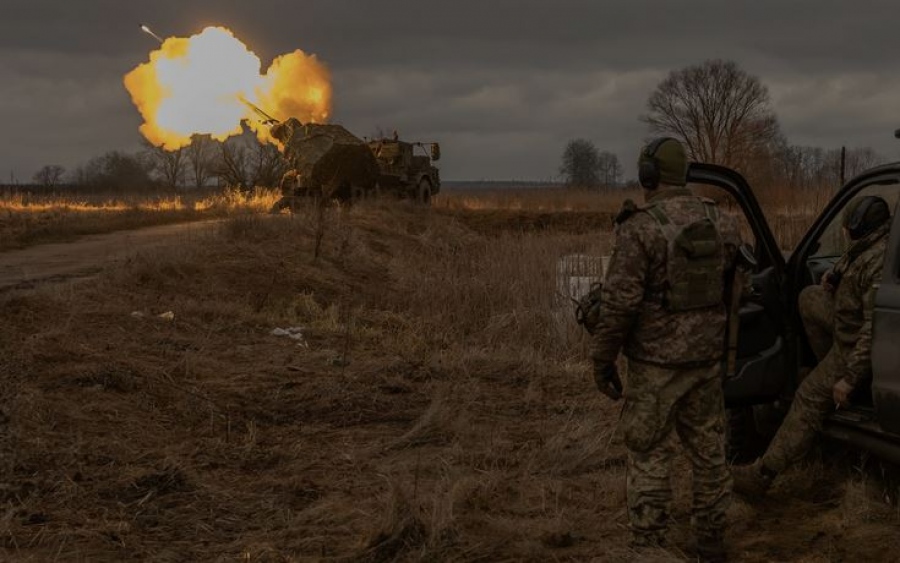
663	305
837	316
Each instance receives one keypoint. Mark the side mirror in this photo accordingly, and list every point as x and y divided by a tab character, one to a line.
435	151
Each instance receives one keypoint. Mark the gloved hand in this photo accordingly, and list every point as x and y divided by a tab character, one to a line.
841	392
606	375
831	280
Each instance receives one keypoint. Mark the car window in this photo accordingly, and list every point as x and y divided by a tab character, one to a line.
833	243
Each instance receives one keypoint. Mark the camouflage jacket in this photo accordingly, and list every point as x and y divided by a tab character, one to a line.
854	299
631	317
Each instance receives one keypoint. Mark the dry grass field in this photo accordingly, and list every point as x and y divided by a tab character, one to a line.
431	403
26	219
789	213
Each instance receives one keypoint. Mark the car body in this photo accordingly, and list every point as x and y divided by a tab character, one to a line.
772	346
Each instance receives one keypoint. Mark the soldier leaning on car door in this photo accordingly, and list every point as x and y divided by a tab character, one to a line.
669	319
837	316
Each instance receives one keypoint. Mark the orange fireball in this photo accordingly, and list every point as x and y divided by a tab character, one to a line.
196	85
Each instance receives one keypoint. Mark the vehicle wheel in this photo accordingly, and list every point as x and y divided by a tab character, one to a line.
423	195
343	192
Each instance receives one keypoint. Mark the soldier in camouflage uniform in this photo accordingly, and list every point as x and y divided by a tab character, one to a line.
671	328
837	316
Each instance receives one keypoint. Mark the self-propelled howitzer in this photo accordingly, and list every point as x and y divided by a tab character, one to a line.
324	160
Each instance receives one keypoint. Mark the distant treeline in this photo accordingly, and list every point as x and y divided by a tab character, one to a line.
240	162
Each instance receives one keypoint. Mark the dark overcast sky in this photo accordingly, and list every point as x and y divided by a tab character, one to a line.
503	84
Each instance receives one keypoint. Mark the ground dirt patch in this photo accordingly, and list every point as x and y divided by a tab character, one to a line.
430	406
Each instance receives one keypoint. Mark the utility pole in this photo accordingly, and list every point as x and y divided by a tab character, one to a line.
843	163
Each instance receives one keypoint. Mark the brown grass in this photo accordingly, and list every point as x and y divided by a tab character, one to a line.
548	198
789	213
438	409
27	219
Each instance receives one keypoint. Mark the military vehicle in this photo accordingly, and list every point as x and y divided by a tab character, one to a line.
327	161
773	351
323	161
406	169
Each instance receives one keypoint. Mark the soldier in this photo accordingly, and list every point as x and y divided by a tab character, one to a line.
837	316
663	304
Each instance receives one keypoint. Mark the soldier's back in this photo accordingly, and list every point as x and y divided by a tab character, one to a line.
664	335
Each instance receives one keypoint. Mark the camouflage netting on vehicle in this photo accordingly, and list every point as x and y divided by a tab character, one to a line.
326	157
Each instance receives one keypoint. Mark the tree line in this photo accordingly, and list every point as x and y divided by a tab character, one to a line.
723	115
241	161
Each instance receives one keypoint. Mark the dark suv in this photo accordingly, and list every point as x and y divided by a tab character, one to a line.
772	346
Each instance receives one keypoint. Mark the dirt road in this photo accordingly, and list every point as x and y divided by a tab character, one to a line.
83	258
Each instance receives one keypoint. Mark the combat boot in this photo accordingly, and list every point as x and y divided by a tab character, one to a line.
752	480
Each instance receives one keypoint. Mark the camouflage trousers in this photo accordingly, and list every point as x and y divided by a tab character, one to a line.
814	398
817	312
663	404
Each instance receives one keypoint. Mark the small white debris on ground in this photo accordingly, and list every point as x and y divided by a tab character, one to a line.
292	332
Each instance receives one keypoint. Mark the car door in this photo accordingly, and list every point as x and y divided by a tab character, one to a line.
762	362
886	336
818	250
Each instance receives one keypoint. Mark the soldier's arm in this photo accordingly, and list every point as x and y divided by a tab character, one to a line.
859	362
623	291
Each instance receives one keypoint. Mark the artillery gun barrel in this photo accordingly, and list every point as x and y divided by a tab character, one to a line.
267	119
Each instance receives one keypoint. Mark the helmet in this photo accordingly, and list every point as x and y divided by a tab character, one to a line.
662	161
865	214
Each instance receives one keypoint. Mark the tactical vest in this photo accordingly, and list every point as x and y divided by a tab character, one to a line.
695	260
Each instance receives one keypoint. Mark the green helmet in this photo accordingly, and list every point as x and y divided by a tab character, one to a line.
662	161
864	214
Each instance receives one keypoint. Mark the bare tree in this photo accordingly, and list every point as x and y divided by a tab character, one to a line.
581	164
115	172
201	155
268	165
49	176
244	162
169	166
721	113
798	168
232	166
860	159
610	169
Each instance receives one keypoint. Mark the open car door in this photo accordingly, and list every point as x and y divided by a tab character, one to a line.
762	362
886	332
818	251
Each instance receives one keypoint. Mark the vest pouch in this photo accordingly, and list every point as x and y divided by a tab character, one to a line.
695	263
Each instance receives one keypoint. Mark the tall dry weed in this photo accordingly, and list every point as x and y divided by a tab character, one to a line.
494	292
